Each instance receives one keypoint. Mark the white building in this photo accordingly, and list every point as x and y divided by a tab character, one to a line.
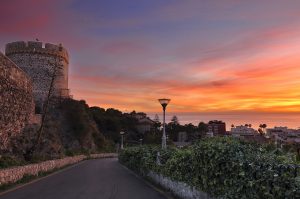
243	131
282	130
284	135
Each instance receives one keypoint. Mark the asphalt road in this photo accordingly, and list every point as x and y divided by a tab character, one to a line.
92	179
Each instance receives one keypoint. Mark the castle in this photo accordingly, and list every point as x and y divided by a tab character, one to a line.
38	62
26	72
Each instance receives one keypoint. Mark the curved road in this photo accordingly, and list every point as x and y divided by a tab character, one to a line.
92	179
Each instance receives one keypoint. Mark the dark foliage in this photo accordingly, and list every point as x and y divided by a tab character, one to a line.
80	120
111	122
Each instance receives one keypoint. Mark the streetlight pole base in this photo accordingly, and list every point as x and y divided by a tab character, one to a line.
164	143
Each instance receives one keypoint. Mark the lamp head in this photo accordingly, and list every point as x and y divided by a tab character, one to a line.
122	132
164	102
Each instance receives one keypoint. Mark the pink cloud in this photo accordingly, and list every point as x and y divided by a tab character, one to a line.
123	47
23	16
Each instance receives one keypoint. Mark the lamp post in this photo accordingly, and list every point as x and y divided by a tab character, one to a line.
141	141
164	103
122	135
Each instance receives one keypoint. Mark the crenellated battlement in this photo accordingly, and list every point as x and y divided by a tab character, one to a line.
37	48
38	60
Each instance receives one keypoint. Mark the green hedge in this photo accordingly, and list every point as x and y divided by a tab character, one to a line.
222	167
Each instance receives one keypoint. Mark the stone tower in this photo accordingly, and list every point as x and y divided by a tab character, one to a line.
39	61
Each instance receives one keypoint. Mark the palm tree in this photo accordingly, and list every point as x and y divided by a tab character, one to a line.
260	131
264	126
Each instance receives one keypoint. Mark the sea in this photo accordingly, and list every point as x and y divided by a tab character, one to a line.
291	120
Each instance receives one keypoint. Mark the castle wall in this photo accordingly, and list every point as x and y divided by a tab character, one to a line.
16	100
38	62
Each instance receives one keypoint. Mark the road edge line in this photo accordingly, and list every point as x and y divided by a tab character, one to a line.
152	185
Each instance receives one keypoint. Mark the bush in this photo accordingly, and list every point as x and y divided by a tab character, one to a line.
222	167
139	159
9	161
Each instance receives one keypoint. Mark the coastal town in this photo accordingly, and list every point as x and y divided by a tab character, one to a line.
139	99
278	135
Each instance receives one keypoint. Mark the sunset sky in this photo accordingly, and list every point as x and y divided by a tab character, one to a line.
206	55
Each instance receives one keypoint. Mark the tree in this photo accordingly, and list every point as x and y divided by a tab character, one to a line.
263	127
191	131
190	128
156	118
52	73
260	131
157	123
172	128
202	127
174	120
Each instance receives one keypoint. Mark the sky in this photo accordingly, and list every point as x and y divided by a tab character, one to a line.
205	55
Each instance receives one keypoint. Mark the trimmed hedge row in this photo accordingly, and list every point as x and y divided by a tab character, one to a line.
222	167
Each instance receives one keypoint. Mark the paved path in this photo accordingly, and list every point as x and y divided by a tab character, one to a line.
92	179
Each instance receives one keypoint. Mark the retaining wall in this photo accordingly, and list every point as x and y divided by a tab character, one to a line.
180	189
104	155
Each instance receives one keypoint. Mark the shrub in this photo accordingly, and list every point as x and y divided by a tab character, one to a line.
139	159
222	167
9	161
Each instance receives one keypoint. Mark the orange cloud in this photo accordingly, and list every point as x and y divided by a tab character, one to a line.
268	80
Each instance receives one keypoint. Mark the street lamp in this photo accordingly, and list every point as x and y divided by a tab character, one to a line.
141	141
122	134
164	103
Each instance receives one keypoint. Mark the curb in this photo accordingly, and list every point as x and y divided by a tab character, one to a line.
152	185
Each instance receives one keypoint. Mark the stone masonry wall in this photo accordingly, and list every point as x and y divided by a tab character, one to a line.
103	155
38	62
16	100
14	174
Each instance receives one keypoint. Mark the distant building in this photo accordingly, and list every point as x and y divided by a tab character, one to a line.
284	136
256	138
243	131
247	133
209	134
144	125
282	130
216	128
139	116
182	137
